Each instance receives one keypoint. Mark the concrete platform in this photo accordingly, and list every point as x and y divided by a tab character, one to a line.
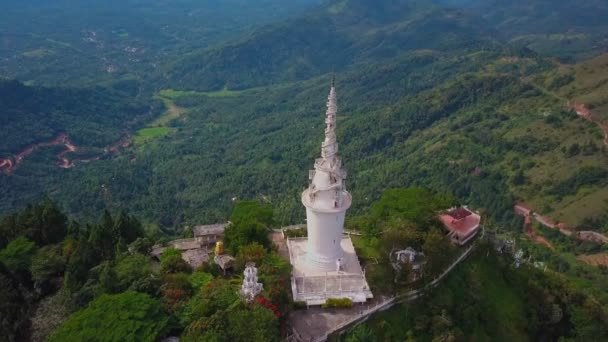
315	287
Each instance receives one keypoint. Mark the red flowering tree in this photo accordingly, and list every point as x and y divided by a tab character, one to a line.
176	290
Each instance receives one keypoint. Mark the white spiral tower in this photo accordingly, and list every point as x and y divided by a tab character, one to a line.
326	199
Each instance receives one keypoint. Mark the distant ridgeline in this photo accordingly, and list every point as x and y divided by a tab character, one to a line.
344	33
333	37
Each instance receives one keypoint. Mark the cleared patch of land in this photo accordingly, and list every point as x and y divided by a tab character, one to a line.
151	133
173	112
38	53
595	259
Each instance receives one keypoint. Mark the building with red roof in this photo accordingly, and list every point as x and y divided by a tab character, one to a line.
461	223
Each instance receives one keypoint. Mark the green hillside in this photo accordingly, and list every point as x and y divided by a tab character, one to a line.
341	34
494	137
92	117
86	42
488	299
572	30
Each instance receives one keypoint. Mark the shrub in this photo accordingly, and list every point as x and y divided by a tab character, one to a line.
299	305
338	303
129	316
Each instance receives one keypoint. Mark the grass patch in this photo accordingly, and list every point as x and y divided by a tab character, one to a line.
153	132
147	134
175	94
368	246
173	112
38	53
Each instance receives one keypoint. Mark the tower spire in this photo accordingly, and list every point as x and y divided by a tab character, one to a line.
329	147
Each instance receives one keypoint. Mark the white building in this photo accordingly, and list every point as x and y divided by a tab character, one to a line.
324	263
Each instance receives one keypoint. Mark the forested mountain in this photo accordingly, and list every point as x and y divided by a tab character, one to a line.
339	34
87	41
571	30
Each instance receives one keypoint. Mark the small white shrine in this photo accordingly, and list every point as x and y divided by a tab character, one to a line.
250	288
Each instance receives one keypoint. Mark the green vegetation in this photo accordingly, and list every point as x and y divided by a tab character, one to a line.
112	292
250	223
146	134
129	316
495	128
38	53
478	299
338	303
102	42
17	255
177	94
153	132
92	117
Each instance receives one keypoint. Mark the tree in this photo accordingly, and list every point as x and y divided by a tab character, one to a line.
128	228
176	290
256	323
13	305
141	245
414	204
53	225
275	274
17	256
134	272
401	234
80	262
245	233
518	178
171	262
101	239
361	334
250	253
47	264
245	211
129	316
43	223
438	251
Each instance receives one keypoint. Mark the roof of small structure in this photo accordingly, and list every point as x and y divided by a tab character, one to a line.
224	260
460	220
185	244
211	229
195	257
157	251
